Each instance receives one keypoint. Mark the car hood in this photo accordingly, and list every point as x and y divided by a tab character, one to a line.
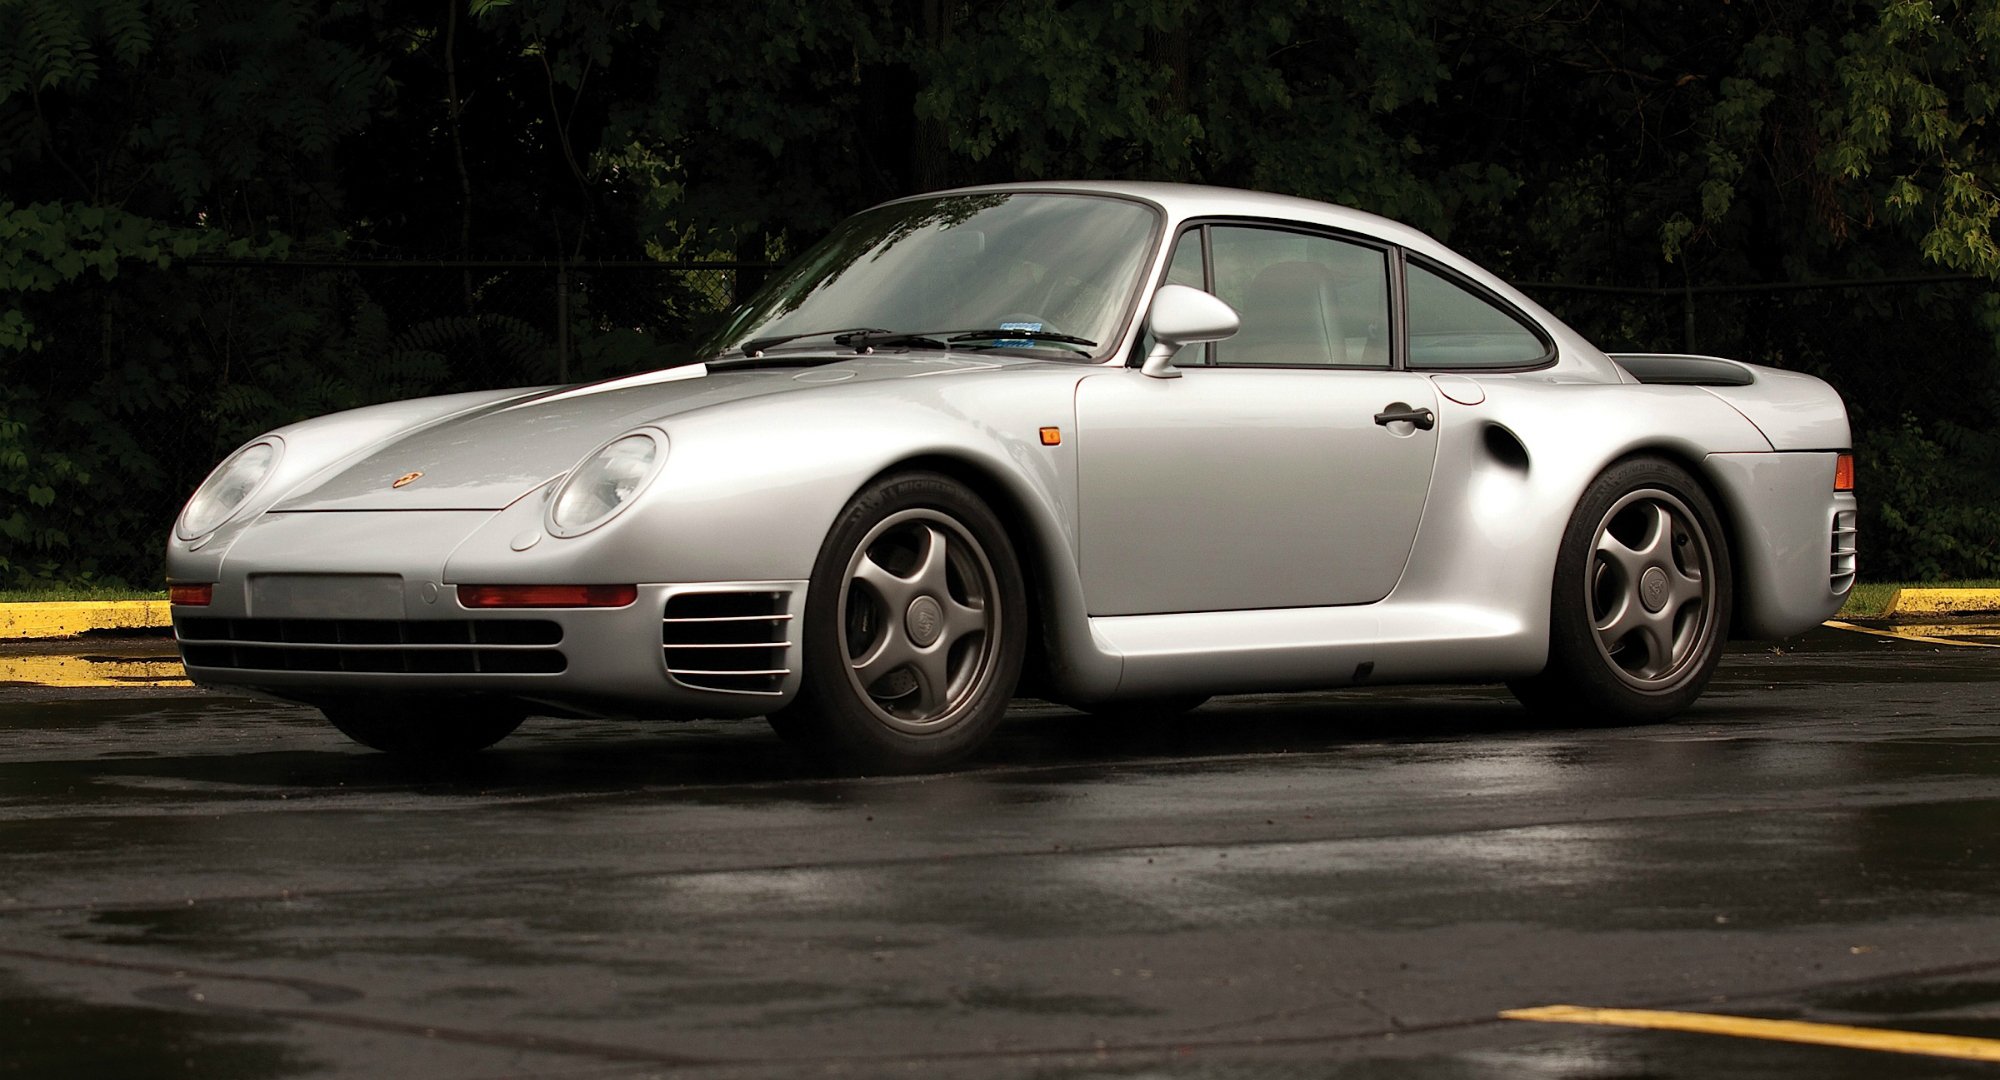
488	457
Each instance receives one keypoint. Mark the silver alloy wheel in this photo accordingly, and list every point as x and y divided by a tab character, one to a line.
920	626
1650	589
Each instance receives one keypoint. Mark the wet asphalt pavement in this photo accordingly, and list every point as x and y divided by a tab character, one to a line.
1339	885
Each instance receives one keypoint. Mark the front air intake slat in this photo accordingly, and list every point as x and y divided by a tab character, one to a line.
374	646
736	642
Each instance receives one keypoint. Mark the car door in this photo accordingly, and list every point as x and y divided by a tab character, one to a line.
1272	473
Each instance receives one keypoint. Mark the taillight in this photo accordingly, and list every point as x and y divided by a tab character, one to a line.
191	595
1843	473
540	596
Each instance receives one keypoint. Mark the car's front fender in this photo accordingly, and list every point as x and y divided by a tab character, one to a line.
751	489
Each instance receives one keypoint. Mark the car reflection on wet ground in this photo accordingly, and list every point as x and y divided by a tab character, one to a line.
1349	884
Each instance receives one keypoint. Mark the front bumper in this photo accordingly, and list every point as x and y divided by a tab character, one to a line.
679	650
318	606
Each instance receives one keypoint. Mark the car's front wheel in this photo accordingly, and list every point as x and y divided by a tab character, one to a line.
914	632
1639	609
424	730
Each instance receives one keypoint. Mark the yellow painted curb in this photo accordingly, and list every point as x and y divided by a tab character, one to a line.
1942	601
68	618
1963	1048
66	671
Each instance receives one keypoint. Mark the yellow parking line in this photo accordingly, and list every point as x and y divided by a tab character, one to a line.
1838	625
69	671
1795	1031
1953	630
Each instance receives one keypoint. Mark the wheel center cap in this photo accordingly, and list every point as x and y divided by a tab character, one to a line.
924	621
1653	588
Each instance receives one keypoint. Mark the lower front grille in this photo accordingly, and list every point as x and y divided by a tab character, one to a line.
376	646
1842	573
735	642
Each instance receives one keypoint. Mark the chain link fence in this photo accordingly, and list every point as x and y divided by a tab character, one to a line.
558	314
145	380
137	384
1839	330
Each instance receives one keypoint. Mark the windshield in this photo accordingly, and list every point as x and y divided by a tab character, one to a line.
1057	264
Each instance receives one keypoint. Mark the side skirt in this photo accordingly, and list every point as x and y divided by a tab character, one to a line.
1316	648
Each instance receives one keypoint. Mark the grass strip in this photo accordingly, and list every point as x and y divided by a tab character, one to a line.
1871	598
67	593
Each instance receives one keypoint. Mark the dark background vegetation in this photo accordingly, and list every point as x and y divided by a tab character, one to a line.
217	216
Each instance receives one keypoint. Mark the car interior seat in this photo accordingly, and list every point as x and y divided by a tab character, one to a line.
1291	318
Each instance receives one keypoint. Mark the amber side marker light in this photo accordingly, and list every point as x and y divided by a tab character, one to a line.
191	595
1051	436
1843	473
539	596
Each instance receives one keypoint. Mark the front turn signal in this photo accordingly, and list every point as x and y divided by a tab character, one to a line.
546	596
187	595
1843	473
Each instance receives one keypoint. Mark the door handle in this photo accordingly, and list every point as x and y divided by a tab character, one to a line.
1398	413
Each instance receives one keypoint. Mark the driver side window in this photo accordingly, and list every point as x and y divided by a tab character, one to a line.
1306	300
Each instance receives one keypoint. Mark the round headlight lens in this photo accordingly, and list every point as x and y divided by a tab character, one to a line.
228	488
606	481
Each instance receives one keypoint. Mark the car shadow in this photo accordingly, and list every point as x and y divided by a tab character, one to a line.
552	757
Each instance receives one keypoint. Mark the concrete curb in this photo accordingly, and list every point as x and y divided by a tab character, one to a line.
1907	602
70	618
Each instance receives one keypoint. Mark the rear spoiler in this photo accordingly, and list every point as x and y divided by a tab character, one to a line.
1795	411
1679	369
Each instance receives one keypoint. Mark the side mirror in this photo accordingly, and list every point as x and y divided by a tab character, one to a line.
1182	316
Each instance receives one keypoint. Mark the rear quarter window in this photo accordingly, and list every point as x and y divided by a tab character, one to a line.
1452	326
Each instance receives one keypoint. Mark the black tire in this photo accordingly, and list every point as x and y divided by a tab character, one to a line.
425	730
1640	604
916	623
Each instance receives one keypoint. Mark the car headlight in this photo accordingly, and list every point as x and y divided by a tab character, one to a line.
606	482
229	487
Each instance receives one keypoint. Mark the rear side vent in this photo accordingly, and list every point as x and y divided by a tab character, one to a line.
1842	576
734	642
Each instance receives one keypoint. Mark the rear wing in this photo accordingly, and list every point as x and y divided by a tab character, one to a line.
1795	411
1681	369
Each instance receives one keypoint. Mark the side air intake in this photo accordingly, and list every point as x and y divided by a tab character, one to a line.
1842	576
733	642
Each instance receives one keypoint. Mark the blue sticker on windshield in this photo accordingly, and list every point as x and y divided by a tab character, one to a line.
1017	343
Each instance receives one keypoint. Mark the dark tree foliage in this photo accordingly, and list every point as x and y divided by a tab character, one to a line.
1656	143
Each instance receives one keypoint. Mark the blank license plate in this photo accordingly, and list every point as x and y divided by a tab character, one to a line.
326	596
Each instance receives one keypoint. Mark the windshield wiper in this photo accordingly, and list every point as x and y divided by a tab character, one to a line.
808	358
756	345
862	340
1008	334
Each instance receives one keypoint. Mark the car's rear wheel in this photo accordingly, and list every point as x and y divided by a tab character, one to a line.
421	729
914	632
1639	609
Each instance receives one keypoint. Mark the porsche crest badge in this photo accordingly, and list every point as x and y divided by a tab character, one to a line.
406	479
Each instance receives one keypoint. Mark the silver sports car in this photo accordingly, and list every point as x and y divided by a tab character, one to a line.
1123	446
